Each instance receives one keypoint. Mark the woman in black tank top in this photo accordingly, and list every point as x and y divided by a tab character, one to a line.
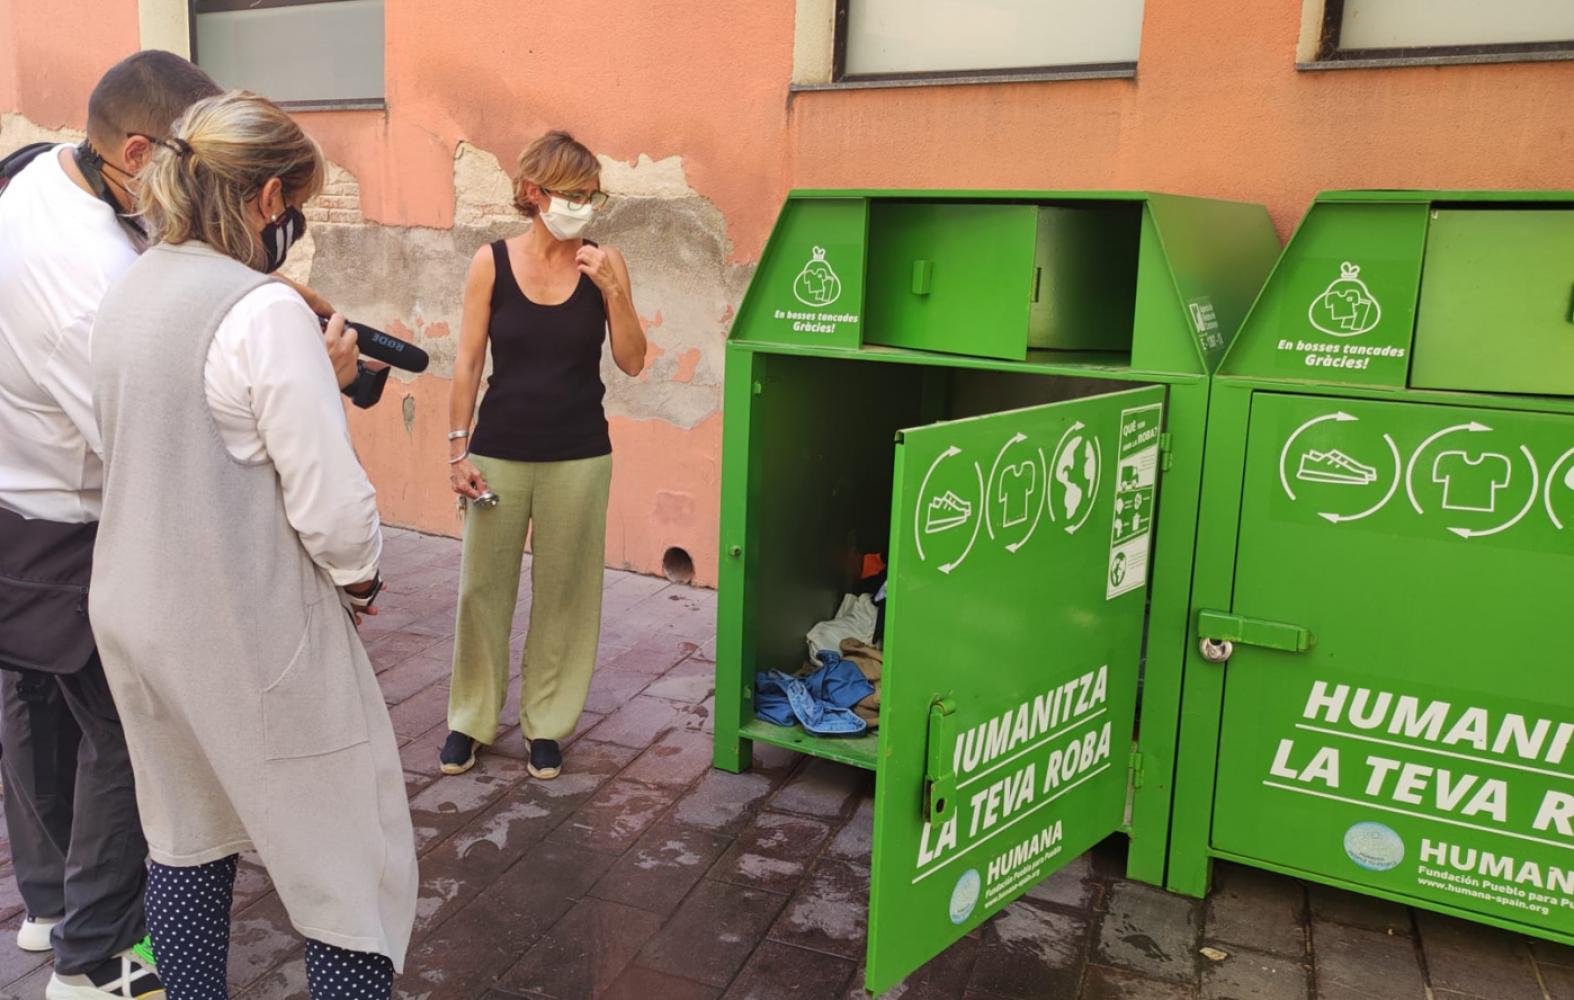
539	460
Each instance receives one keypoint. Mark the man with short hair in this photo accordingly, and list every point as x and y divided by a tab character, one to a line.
67	233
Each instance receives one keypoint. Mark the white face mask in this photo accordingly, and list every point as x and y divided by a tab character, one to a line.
564	222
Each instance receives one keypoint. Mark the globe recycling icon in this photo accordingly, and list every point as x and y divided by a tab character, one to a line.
817	284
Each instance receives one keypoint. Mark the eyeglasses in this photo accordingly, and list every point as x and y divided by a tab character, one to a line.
579	199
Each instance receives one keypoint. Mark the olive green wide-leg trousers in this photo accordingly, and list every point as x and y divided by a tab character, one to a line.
563	507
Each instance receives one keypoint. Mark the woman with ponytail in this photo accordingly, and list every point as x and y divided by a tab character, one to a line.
238	546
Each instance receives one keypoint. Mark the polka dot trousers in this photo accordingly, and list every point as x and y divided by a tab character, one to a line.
189	919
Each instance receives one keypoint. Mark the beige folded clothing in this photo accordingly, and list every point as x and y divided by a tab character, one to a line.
870	661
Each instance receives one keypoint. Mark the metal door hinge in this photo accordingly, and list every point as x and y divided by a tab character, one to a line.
1221	630
939	771
1136	769
1166	452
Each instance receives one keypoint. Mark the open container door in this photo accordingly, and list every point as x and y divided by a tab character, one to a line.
1006	734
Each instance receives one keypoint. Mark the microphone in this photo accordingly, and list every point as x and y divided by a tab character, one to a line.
379	346
369	382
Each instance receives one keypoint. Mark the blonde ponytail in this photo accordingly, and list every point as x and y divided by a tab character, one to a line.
223	150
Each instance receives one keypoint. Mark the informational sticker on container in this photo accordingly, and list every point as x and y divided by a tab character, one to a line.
1136	475
1341	307
1338	321
1206	323
818	287
809	289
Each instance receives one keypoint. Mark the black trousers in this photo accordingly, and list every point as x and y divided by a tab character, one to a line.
71	811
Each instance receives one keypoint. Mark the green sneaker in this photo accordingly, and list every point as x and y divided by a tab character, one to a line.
143	950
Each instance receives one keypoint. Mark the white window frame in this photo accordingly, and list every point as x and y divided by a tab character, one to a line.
1321	22
819	58
165	24
325	104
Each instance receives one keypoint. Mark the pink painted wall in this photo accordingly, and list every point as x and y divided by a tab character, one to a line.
1218	109
51	54
657	82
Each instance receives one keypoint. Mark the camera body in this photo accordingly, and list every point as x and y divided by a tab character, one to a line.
367	387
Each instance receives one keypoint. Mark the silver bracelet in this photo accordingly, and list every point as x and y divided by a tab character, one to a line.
456	435
461	458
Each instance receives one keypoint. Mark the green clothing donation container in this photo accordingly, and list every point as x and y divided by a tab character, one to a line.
1379	693
1006	394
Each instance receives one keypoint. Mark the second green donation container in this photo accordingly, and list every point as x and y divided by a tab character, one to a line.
1379	696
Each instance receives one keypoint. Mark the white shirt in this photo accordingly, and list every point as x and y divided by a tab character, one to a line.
267	377
274	397
60	251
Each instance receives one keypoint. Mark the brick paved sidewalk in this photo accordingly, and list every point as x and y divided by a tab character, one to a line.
642	874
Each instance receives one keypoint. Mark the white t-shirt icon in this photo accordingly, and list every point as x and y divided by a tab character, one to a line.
1016	485
1471	483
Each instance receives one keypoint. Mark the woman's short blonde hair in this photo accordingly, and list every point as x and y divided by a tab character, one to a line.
555	162
222	151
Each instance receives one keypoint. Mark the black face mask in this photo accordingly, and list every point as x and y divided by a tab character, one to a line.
279	235
92	164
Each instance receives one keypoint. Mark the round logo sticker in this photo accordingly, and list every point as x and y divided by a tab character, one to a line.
1374	846
965	896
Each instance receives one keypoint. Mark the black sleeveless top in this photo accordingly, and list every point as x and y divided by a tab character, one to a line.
543	401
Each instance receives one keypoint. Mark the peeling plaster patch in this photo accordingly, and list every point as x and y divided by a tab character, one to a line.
340	198
409	280
338	203
646	178
678	256
653	351
484	193
687	362
17	131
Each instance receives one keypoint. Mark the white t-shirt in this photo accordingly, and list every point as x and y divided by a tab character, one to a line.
60	251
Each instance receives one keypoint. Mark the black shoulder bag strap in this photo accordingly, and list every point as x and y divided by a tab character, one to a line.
12	164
